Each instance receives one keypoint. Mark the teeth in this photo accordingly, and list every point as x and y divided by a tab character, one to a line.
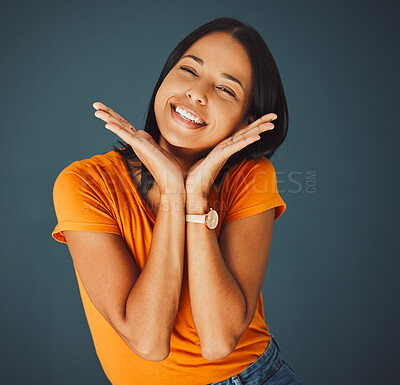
187	115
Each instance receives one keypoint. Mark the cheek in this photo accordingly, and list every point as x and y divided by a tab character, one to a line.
157	103
161	98
170	82
168	89
229	118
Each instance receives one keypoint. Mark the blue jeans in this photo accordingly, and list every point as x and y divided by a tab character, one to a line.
268	369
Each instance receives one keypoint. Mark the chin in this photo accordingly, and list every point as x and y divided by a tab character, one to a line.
173	139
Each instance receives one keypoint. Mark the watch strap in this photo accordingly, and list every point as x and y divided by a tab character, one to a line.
196	218
210	219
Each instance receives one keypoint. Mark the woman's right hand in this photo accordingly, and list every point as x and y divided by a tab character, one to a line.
166	170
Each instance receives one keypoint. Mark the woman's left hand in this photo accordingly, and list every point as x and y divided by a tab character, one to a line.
202	174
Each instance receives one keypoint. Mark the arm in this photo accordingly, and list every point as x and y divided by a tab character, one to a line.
225	278
141	307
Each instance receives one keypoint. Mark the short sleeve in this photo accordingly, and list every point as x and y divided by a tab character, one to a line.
253	191
80	205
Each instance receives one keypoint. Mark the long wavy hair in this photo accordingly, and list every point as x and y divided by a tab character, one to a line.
267	96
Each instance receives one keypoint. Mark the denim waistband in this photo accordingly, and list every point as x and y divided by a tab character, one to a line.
261	369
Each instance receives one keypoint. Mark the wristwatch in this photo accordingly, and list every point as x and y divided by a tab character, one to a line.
210	219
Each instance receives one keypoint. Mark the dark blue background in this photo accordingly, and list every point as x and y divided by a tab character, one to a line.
331	291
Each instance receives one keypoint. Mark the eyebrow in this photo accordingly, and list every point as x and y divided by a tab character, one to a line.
225	75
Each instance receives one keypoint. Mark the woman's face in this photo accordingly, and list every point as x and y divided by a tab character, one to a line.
210	84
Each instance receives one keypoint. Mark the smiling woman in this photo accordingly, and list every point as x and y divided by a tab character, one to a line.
170	233
201	84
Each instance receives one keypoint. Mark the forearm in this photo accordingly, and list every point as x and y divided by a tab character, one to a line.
218	305
153	301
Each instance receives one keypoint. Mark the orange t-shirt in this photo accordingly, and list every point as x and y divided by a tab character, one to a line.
98	194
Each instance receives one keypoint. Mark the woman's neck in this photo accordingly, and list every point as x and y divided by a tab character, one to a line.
186	157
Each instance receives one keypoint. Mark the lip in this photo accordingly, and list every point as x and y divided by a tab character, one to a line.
189	109
175	116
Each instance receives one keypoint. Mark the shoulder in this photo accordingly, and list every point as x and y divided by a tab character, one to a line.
251	187
258	169
93	168
94	181
110	158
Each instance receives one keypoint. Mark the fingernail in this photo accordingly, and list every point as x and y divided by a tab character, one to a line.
266	126
276	117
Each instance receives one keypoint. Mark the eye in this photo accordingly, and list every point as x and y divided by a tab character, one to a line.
187	70
227	91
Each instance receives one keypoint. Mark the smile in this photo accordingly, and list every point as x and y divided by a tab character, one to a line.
186	118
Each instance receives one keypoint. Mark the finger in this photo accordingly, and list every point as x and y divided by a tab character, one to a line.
102	107
248	133
129	136
110	119
225	149
235	145
105	116
140	141
265	119
114	115
254	130
98	106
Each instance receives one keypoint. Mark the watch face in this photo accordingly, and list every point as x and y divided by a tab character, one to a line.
212	219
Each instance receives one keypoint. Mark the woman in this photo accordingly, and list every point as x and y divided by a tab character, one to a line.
170	234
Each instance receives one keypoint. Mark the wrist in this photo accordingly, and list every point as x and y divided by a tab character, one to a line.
172	202
196	206
174	196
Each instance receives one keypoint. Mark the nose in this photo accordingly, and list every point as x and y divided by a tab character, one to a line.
197	95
